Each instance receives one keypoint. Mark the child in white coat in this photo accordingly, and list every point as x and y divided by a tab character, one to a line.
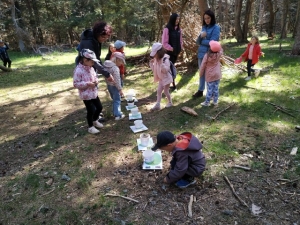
160	66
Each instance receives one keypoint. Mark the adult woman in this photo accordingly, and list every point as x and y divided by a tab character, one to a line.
92	39
172	39
210	31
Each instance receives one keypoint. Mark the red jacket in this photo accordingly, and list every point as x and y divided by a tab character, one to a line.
256	53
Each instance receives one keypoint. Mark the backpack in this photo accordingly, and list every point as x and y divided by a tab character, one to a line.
173	70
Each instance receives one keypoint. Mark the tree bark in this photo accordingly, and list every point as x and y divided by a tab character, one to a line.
203	6
237	21
296	47
284	19
270	29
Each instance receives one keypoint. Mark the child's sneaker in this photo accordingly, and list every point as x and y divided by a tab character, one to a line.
248	78
120	117
205	103
156	107
93	130
97	124
184	183
169	105
215	103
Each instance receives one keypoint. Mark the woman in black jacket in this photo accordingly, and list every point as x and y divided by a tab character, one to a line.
172	39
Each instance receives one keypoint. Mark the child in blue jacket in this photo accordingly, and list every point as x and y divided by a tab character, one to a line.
4	55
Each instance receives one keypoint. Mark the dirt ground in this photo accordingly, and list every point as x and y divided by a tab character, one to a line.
46	137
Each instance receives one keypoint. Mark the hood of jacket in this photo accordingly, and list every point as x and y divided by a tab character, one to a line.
187	141
87	35
109	64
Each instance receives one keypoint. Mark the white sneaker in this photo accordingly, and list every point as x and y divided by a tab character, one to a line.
93	130
215	103
248	78
205	103
156	107
169	105
256	73
97	124
120	117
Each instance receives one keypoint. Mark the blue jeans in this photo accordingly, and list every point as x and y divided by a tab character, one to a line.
115	95
212	91
202	78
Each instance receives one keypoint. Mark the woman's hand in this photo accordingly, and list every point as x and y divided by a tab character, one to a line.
203	34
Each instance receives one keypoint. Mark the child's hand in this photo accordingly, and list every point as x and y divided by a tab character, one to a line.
91	84
262	54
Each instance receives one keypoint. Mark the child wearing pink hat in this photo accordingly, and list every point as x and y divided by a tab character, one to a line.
160	66
212	67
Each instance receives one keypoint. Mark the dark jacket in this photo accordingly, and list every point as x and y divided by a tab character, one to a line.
174	41
189	160
3	52
88	41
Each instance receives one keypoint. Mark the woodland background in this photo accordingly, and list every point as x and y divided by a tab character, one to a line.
29	24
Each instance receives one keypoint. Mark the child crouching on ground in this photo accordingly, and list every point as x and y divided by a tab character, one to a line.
86	81
212	67
115	88
188	160
160	66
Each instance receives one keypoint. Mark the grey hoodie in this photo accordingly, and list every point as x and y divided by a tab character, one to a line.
189	160
114	70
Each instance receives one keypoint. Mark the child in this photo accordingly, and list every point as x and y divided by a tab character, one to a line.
251	55
211	66
119	46
4	55
160	66
111	49
188	160
115	88
86	81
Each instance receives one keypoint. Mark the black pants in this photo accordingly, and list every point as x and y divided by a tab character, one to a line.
249	67
93	108
6	61
173	59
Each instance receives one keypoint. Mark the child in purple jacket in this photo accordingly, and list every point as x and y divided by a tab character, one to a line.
188	160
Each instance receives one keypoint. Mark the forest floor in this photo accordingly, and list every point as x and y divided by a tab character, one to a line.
53	172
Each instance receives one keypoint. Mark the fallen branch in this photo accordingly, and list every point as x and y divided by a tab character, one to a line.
130	199
218	114
242	167
280	108
48	192
234	193
190	206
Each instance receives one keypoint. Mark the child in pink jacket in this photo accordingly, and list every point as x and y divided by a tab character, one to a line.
160	66
212	67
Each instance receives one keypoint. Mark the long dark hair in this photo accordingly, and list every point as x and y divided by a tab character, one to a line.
172	22
212	16
101	28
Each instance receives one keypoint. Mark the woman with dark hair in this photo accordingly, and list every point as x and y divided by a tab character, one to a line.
172	39
92	39
210	31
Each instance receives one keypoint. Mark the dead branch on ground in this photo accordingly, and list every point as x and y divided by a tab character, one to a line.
130	199
216	116
234	193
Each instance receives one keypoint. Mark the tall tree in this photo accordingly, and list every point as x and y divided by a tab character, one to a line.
296	47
